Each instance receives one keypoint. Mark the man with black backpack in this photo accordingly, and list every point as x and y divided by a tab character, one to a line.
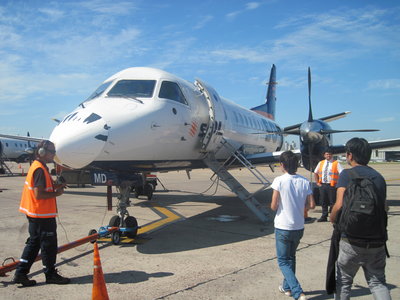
360	215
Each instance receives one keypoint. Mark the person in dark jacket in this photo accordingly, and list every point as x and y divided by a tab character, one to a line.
353	254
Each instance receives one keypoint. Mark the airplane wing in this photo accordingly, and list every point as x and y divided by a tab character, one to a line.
273	157
22	138
295	128
374	145
268	157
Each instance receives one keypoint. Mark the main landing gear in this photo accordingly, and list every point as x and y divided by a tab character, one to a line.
147	189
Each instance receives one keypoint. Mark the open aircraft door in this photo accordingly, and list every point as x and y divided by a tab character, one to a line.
217	116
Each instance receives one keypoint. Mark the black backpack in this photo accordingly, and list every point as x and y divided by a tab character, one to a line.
363	217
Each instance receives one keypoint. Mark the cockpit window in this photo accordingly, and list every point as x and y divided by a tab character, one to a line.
170	90
133	88
99	90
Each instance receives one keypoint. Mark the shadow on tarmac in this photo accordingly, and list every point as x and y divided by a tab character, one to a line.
205	230
124	277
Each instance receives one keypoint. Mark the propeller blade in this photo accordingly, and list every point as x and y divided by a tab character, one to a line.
351	130
310	117
294	132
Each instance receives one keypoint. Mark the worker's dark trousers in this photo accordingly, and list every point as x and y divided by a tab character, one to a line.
42	236
327	197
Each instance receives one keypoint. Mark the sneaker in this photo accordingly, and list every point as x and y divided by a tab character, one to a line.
24	280
322	219
287	293
302	297
56	278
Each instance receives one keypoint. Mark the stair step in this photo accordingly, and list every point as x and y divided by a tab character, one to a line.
236	187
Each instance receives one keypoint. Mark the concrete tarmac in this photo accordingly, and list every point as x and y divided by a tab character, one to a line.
217	249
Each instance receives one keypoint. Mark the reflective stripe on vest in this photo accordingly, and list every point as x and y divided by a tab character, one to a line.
37	208
334	173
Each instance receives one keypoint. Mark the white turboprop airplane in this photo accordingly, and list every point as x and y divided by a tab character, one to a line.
144	120
15	150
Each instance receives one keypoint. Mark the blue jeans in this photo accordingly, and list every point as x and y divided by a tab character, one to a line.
287	242
373	262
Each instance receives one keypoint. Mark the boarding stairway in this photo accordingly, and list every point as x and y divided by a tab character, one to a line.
3	166
238	159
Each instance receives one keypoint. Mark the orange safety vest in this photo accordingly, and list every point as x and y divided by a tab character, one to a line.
334	173
37	208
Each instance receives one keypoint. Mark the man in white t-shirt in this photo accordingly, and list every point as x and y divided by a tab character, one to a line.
292	193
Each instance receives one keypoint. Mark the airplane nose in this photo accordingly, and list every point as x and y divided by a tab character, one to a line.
79	139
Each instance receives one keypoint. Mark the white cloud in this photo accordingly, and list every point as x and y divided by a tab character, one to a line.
333	37
385	120
53	14
384	84
247	54
9	38
204	20
22	86
252	5
248	6
110	7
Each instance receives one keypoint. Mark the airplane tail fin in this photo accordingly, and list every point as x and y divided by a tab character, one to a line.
268	108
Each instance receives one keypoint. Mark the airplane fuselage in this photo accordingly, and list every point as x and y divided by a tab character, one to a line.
15	150
144	119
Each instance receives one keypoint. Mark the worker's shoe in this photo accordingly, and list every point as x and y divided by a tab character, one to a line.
24	280
55	278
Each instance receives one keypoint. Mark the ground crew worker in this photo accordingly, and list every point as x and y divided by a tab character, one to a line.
326	176
38	202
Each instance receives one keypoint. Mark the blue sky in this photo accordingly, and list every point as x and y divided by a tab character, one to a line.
53	54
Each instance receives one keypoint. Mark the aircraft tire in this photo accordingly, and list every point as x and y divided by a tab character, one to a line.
115	221
131	222
148	190
137	191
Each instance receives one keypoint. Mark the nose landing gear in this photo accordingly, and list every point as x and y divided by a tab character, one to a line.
140	184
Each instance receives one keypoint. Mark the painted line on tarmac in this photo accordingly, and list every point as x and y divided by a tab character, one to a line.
167	216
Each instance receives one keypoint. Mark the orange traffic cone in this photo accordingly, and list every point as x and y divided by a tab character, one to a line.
22	169
99	290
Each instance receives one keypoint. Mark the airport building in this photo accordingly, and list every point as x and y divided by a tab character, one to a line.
388	154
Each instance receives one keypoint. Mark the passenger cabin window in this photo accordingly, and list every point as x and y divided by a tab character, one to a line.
170	90
133	89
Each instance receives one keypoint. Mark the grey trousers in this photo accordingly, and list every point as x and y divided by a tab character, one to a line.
373	262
